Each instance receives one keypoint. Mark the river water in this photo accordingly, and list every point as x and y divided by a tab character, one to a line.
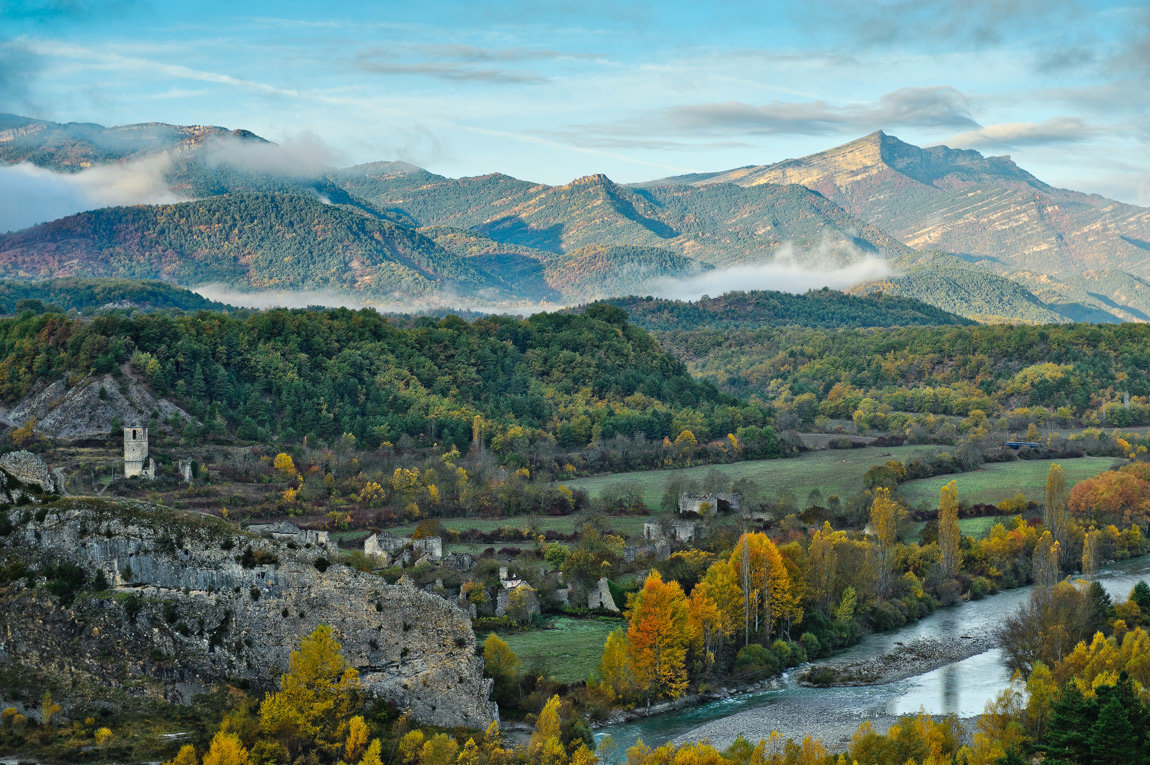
962	688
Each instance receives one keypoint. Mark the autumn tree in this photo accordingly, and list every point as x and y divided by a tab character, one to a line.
545	743
284	464
615	668
502	665
317	696
1054	512
657	637
949	535
226	749
883	525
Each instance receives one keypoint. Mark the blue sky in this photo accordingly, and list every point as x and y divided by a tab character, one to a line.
550	91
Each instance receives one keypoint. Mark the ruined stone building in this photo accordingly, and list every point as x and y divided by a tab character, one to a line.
136	459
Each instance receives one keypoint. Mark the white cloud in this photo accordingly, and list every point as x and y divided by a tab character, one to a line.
31	195
837	265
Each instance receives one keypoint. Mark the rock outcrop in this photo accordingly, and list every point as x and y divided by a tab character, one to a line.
28	469
88	408
192	602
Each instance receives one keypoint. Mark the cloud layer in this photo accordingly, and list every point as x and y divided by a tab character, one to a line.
31	195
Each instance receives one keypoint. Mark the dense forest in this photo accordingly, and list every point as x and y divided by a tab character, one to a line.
765	308
507	382
254	241
1064	373
89	295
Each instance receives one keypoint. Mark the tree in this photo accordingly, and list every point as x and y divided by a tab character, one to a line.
1046	568
615	668
883	525
284	463
1054	512
546	730
357	739
104	735
372	755
1090	553
48	709
949	534
440	749
657	637
317	695
502	665
186	756
226	749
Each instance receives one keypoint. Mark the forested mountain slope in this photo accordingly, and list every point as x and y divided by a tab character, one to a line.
290	374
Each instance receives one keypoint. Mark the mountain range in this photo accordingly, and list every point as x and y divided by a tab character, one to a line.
976	236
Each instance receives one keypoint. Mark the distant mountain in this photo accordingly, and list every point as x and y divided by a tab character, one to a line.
253	241
986	210
817	308
714	225
973	235
74	146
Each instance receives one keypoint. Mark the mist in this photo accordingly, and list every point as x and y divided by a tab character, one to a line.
31	194
835	264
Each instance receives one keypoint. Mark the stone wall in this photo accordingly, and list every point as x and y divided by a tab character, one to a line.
204	617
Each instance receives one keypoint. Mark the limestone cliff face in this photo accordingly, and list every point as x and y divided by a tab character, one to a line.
195	602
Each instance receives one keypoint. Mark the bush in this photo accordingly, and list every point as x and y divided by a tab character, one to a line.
949	592
885	616
756	661
811	645
980	587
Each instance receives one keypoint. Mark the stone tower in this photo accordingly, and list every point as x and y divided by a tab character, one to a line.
136	459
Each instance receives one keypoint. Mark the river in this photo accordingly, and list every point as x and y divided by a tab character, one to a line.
962	688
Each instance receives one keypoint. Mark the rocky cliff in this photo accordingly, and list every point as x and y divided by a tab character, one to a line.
186	602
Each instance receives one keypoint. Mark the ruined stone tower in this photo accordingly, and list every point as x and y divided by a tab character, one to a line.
136	459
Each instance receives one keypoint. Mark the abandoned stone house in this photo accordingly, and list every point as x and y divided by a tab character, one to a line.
397	550
716	502
678	530
289	533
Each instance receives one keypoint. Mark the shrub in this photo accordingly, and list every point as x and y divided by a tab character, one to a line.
979	588
756	661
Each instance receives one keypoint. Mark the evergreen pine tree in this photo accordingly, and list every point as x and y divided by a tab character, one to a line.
1068	738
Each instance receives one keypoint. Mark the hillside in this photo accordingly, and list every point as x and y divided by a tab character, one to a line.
291	374
255	241
985	209
93	295
817	308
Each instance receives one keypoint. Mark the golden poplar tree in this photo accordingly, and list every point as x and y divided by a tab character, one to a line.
615	665
1054	513
883	525
949	534
657	637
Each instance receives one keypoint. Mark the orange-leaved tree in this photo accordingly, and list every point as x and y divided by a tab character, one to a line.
657	637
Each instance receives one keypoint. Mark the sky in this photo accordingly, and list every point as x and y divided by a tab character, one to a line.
551	91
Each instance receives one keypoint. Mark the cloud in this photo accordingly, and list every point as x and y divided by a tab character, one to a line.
31	195
473	54
837	264
939	106
303	155
378	62
975	23
1014	134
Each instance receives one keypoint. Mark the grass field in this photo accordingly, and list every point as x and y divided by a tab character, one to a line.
831	472
1001	480
627	525
568	649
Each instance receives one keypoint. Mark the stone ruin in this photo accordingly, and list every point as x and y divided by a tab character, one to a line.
136	459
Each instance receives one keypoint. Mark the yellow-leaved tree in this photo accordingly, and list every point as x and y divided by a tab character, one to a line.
317	696
949	534
615	665
883	525
657	637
